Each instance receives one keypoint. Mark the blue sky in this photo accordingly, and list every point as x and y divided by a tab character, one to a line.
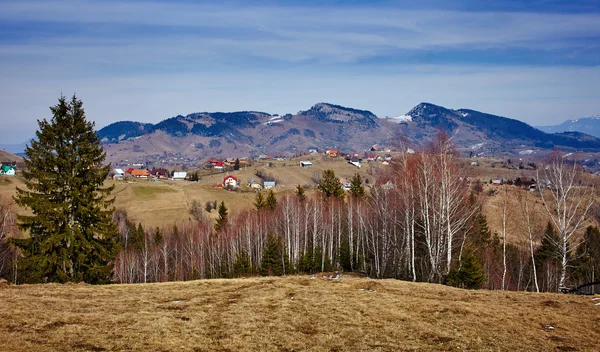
536	61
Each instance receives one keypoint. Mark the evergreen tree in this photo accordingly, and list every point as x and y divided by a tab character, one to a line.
470	274
550	247
587	265
259	201
71	234
300	193
242	266
236	165
222	219
272	260
271	201
330	185
356	187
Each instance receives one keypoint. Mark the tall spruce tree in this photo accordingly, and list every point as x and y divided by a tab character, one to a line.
356	187
271	201
71	235
330	185
222	219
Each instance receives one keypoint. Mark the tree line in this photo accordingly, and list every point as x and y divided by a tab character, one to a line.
421	221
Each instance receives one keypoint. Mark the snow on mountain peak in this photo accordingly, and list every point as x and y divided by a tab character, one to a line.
401	118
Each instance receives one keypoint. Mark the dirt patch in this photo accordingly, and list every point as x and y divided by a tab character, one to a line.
370	286
552	304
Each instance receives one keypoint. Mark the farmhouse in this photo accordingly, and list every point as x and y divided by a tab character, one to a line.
140	173
8	170
332	153
254	185
180	175
268	184
230	181
306	164
160	173
118	174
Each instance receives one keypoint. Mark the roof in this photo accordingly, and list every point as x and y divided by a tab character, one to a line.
219	163
139	172
179	174
269	183
118	171
230	176
6	168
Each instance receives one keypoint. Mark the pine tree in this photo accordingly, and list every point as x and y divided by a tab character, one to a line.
300	193
236	165
272	260
222	219
271	201
356	187
242	265
470	275
330	185
259	201
71	234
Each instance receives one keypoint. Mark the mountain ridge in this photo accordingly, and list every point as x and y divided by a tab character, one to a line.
327	125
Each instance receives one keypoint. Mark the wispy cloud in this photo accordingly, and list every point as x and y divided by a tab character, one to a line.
155	59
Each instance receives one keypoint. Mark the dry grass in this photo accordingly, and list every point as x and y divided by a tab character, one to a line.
292	314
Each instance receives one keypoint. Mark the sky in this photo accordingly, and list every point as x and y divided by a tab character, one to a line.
143	60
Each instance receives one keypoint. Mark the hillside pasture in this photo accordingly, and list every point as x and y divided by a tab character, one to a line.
292	314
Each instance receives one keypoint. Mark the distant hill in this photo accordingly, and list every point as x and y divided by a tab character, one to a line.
6	156
588	125
324	125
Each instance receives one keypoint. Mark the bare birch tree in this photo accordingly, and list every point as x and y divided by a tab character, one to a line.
567	204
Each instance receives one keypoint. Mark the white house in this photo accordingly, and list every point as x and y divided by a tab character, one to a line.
230	181
306	164
179	175
268	184
119	173
8	170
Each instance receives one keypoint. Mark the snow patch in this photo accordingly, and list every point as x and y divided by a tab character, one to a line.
526	152
477	146
400	119
272	121
465	114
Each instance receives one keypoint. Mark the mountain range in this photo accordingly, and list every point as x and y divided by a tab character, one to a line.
324	125
589	125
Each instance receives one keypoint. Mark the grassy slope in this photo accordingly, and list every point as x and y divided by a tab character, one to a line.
258	314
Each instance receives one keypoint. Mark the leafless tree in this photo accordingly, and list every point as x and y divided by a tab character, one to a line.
567	202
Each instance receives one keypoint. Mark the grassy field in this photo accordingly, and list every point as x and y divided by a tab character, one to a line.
292	314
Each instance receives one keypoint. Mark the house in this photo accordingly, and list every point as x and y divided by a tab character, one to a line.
346	186
313	151
385	162
306	164
526	183
118	174
179	175
268	184
497	182
8	170
387	157
355	163
159	173
332	153
374	148
219	165
254	185
230	181
140	173
371	158
129	171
